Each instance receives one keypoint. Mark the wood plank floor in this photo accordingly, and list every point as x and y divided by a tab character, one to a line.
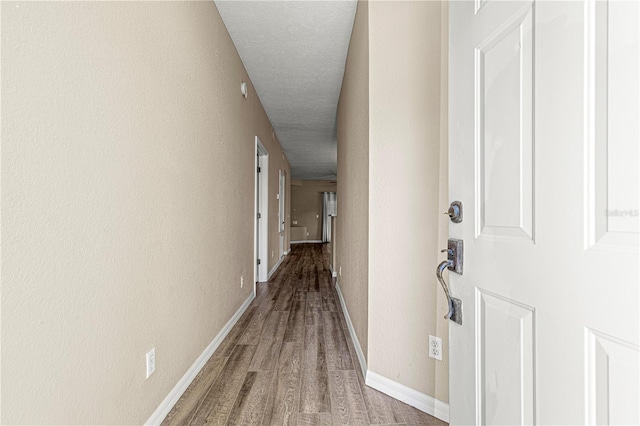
289	361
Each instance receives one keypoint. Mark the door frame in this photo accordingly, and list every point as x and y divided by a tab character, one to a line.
261	232
282	213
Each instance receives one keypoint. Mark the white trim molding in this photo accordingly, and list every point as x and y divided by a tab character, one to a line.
167	404
306	242
419	400
275	268
262	196
352	332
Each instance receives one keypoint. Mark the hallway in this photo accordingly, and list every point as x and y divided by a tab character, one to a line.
289	360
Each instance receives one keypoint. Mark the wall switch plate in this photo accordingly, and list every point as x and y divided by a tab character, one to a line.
241	281
340	271
435	347
151	362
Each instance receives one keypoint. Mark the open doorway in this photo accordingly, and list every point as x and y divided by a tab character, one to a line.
261	215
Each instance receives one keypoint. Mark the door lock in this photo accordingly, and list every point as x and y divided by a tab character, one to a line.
455	212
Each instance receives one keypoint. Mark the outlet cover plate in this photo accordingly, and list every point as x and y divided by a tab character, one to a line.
435	347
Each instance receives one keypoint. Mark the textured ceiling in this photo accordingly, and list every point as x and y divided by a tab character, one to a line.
294	52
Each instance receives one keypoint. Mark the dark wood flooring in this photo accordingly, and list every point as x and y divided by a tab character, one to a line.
289	360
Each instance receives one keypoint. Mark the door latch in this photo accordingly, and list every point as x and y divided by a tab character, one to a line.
454	255
454	264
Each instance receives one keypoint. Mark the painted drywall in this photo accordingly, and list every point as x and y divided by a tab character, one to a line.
127	202
404	190
390	118
353	178
277	162
306	204
442	326
295	52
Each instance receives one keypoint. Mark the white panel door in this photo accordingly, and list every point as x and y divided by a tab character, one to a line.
544	154
281	210
257	218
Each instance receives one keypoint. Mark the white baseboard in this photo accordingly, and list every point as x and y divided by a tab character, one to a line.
275	268
305	241
421	401
352	332
167	404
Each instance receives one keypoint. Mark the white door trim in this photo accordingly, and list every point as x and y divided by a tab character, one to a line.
282	220
261	184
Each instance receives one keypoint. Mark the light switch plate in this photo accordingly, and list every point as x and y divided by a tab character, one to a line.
151	362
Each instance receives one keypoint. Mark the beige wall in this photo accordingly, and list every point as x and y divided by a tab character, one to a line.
442	368
404	149
353	178
277	162
404	161
127	202
307	203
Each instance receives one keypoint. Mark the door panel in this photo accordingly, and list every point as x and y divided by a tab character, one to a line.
544	113
610	397
504	113
613	132
506	342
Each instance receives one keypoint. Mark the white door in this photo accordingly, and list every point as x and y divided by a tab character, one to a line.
258	217
281	210
544	113
262	211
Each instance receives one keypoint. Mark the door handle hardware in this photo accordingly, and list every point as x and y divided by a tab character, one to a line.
455	212
455	305
455	251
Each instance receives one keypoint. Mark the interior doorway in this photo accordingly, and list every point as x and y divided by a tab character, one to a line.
261	213
281	210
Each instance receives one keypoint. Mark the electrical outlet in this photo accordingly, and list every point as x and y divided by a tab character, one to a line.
151	362
241	281
435	347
